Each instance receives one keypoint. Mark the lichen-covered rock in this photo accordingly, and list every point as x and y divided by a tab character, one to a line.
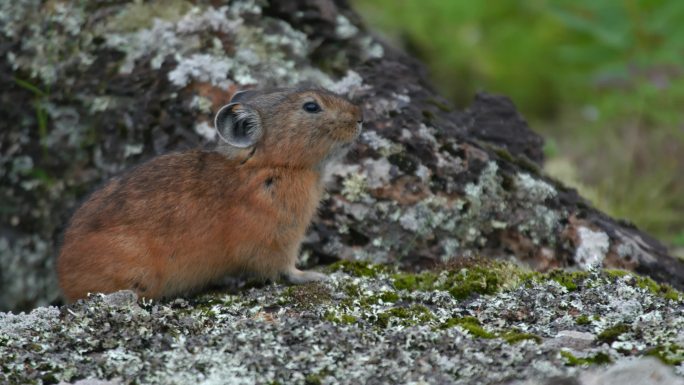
91	88
475	322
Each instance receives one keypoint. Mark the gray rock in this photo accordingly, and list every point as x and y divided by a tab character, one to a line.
641	371
91	381
571	339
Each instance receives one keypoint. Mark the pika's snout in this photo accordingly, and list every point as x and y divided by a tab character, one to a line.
356	125
358	116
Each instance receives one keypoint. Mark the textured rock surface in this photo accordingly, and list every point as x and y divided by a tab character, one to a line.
91	88
367	325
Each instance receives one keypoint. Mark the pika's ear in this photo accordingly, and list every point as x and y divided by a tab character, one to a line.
241	96
238	125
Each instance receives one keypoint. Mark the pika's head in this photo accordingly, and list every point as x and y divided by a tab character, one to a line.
297	127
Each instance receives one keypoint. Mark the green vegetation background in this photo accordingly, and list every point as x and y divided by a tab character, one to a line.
602	81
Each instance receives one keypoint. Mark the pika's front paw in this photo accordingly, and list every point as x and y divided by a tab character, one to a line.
297	277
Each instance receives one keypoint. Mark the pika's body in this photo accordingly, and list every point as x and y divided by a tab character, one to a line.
183	220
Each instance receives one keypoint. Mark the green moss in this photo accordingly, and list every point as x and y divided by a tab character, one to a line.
465	278
521	161
669	354
477	279
313	379
503	154
662	290
597	359
513	337
348	319
358	268
49	378
406	316
442	106
612	333
389	297
428	115
571	280
385	297
352	290
471	324
583	320
345	319
614	273
420	281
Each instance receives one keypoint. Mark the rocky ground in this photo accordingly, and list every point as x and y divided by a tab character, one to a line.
463	323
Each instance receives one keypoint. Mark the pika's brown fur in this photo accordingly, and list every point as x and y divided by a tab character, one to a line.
183	220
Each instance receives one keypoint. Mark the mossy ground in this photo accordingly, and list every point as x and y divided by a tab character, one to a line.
661	289
597	359
671	354
612	333
470	278
458	317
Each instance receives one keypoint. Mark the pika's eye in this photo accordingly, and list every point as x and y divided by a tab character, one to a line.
311	107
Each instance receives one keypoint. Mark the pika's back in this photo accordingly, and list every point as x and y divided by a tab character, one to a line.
149	197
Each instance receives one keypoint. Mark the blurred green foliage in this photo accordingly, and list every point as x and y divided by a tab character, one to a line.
603	81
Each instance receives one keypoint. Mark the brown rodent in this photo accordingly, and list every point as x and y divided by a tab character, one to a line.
182	220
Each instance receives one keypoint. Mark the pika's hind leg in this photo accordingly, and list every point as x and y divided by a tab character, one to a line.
297	277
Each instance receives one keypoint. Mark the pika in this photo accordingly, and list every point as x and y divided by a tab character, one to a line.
176	223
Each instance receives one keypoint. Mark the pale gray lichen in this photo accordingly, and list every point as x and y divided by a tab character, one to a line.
344	28
259	57
203	68
22	165
535	189
206	130
371	48
50	42
378	143
355	187
202	104
101	103
377	172
382	107
133	149
176	38
592	248
532	194
350	84
488	186
453	226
